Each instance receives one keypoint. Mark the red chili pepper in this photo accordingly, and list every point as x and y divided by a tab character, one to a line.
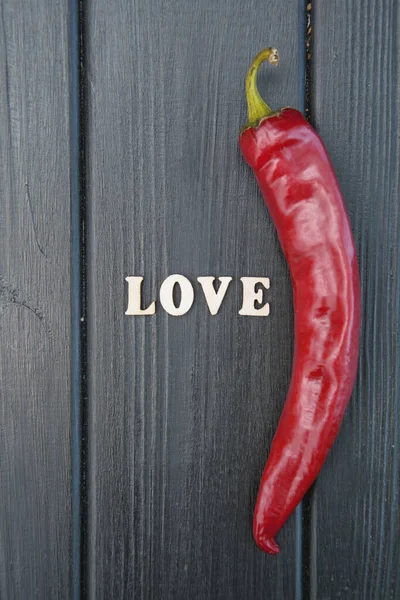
302	194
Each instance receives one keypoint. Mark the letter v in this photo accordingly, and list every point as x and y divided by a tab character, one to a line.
213	298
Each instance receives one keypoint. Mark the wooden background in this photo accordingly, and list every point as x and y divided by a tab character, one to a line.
131	448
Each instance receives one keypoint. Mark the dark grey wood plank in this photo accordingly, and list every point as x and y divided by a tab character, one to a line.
182	410
34	301
356	516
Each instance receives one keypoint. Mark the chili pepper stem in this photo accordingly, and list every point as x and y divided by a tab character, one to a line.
257	108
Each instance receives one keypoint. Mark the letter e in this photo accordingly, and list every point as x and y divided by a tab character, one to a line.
250	296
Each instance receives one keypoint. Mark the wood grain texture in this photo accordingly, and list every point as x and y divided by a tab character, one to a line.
356	94
182	410
34	301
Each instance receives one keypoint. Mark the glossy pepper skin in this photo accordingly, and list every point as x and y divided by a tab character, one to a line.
302	194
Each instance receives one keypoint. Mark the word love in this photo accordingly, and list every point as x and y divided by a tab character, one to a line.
253	303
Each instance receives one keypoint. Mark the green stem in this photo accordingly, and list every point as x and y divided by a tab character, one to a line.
257	108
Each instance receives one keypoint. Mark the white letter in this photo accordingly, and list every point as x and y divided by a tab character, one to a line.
250	296
167	295
134	298
213	298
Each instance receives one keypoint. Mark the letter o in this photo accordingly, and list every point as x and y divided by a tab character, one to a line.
167	297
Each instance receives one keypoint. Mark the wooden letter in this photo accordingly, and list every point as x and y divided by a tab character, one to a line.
135	298
213	298
250	296
167	295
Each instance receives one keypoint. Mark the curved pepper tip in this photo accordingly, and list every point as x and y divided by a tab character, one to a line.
267	544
